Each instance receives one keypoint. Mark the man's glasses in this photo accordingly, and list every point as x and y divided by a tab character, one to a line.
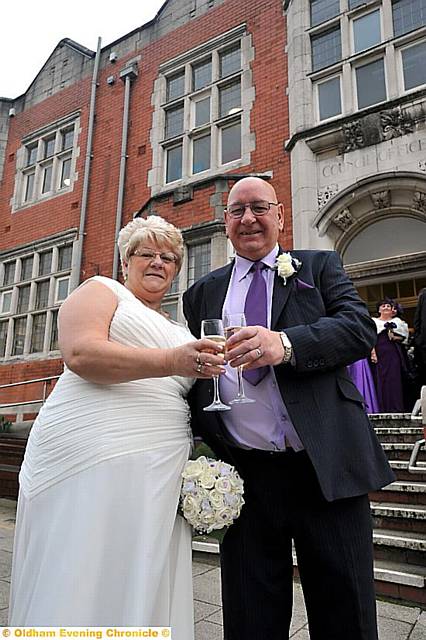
146	254
258	208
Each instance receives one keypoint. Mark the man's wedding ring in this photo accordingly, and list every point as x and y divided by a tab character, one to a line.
199	367
259	352
197	359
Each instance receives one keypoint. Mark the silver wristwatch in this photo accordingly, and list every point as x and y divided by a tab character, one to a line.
288	349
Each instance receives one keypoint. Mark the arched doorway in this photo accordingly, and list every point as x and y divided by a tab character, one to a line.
379	227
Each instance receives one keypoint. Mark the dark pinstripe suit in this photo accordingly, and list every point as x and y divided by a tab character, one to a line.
317	497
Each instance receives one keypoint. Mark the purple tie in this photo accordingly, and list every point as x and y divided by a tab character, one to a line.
255	310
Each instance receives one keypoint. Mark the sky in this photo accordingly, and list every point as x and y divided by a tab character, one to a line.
30	30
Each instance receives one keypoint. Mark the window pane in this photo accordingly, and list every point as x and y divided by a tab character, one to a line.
67	139
9	272
47	179
45	263
367	31
370	81
230	61
29	187
37	334
64	257
326	49
174	164
42	297
329	98
201	154
54	345
406	288
357	3
174	122
231	143
170	308
3	337
19	327
65	173
31	154
322	10
176	86
174	287
201	74
27	268
6	301
202	111
408	15
198	261
229	99
413	63
49	147
23	298
62	289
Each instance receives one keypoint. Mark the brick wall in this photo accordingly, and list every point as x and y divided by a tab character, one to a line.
269	123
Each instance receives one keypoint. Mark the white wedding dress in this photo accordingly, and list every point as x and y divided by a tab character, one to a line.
97	540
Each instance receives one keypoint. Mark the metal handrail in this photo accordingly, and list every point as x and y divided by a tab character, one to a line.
26	403
419	408
17	384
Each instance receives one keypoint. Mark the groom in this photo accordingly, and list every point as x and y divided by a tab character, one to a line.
305	449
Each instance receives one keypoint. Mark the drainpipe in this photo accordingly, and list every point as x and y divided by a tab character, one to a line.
128	74
76	267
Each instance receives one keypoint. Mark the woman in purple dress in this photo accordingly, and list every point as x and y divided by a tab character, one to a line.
362	377
391	366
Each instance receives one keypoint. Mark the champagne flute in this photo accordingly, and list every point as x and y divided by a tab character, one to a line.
213	330
233	322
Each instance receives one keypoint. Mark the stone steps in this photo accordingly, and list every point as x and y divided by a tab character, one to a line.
400	468
399	546
402	451
399	434
407	492
399	517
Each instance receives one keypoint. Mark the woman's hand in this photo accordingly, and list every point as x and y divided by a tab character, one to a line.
199	359
373	356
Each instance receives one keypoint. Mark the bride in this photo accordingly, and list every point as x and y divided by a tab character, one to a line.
97	540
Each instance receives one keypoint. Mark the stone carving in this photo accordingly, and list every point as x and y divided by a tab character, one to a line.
381	199
344	219
422	165
182	194
395	123
325	194
353	135
419	201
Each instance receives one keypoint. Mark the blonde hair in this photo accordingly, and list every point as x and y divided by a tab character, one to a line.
153	229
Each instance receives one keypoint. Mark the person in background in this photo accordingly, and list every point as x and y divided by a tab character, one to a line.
360	372
98	540
388	358
420	337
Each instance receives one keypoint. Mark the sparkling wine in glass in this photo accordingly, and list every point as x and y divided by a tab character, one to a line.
233	322
213	330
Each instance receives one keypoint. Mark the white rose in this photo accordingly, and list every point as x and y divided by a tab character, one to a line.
207	517
194	468
190	506
285	266
223	485
207	479
225	515
216	499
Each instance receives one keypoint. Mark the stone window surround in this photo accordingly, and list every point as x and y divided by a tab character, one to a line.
389	49
53	243
156	176
18	199
213	232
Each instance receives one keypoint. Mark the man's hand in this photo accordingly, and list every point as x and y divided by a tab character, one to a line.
254	347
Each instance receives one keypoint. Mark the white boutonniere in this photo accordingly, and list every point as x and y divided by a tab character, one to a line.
287	266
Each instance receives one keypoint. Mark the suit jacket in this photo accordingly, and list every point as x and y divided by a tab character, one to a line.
329	327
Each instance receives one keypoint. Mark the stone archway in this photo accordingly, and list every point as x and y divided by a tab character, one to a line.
378	225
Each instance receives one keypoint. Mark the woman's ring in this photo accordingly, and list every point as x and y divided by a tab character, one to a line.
199	367
197	359
259	352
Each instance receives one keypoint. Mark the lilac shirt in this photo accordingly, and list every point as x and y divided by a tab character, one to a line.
265	424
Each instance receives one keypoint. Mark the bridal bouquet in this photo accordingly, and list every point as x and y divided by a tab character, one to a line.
211	495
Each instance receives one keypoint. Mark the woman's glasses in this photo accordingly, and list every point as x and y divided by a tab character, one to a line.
146	254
